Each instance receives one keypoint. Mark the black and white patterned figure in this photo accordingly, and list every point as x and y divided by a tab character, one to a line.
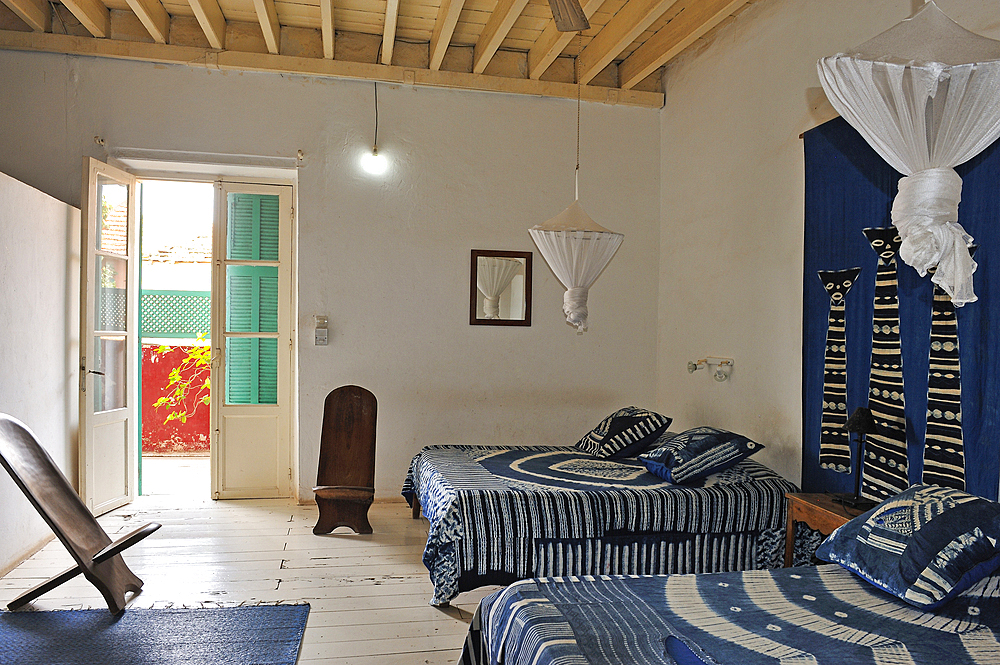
944	451
834	442
885	467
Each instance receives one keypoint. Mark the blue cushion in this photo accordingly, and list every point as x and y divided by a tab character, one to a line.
925	545
696	453
625	433
681	652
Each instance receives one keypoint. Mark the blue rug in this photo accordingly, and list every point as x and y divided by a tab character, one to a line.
259	635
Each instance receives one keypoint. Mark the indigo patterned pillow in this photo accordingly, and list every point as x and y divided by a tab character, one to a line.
925	545
625	433
697	453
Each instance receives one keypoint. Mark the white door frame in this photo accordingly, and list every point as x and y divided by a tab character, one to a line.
252	451
109	437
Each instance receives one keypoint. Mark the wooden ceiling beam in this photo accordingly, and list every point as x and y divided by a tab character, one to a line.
153	17
211	20
94	16
33	12
551	42
683	30
268	17
444	28
193	56
630	21
327	28
495	31
389	30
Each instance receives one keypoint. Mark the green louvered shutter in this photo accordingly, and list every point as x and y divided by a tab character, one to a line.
239	371
268	247
267	290
267	378
242	223
252	299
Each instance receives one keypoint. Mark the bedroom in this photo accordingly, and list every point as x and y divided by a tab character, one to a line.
708	192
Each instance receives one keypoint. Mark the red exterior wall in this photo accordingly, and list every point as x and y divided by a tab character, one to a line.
159	437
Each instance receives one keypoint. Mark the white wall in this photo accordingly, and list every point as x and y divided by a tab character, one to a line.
389	262
39	337
388	259
732	208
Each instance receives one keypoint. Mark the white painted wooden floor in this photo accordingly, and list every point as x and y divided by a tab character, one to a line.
368	594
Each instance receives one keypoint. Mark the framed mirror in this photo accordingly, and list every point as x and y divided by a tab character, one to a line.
501	288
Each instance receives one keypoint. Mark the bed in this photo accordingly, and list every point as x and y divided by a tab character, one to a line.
918	583
821	614
503	513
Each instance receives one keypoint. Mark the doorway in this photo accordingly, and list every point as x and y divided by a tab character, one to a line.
217	339
175	328
253	342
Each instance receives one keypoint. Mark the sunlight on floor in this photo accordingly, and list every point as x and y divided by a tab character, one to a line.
177	476
368	594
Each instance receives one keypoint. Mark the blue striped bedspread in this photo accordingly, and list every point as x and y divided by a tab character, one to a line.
811	615
502	513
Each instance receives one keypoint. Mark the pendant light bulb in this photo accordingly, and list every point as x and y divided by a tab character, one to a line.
374	163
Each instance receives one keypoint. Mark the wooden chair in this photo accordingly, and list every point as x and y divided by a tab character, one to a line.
345	484
57	502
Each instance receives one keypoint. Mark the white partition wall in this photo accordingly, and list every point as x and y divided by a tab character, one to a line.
39	329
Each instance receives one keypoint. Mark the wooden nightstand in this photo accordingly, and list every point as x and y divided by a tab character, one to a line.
818	511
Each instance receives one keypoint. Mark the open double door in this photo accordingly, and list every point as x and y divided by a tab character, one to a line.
252	340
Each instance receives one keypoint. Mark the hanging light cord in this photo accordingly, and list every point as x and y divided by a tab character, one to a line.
375	145
578	142
578	87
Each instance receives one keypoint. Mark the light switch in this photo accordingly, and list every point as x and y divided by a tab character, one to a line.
322	330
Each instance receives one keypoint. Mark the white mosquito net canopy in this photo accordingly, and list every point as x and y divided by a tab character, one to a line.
577	249
925	94
493	276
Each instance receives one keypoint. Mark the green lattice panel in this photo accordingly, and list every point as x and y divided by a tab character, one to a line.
176	313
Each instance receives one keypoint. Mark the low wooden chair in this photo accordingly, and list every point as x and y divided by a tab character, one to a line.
57	502
345	484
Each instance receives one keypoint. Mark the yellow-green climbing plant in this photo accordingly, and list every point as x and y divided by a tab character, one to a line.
192	377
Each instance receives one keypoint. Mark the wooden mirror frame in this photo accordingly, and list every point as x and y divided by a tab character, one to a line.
526	257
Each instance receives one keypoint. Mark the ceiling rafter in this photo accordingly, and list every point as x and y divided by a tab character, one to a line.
211	20
193	56
389	30
268	17
327	28
630	21
447	43
94	16
495	31
682	31
552	42
444	28
33	12
153	17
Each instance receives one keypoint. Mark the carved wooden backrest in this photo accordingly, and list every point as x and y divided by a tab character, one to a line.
48	490
347	442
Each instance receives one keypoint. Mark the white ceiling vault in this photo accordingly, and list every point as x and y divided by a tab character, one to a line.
493	45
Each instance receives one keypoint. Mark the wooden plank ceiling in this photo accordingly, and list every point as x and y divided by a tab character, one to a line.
494	45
